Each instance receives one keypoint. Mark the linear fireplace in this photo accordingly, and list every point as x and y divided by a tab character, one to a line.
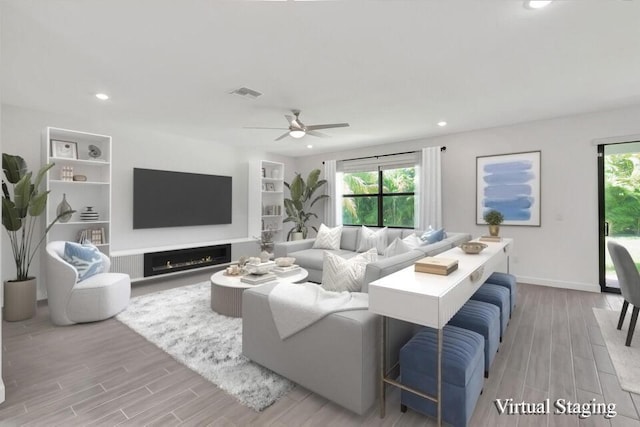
156	263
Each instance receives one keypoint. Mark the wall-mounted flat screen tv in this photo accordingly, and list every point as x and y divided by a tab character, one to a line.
178	199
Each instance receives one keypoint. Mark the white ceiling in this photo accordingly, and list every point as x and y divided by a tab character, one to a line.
392	69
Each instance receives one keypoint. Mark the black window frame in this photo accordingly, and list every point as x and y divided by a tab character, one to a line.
380	197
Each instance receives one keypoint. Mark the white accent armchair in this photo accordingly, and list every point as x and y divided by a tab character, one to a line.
96	298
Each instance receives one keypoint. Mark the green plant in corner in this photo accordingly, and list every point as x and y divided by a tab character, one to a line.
302	199
20	212
493	217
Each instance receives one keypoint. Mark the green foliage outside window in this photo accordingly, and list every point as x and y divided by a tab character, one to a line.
363	192
622	193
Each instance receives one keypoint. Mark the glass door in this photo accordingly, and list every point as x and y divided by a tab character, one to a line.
619	205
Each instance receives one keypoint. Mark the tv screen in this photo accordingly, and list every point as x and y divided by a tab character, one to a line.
177	199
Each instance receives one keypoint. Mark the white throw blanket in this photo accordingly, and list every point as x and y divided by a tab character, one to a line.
297	306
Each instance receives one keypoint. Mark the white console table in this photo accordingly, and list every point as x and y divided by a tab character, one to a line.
431	300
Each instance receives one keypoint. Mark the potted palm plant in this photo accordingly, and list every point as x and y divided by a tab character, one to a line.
20	212
494	218
302	199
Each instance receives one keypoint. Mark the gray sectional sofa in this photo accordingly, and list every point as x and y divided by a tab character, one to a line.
337	357
311	259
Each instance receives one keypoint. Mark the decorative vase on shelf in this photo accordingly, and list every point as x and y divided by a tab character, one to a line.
63	207
88	214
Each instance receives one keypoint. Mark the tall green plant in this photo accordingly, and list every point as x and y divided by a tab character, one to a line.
20	212
302	199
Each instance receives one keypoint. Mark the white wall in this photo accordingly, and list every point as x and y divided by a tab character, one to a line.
137	147
563	252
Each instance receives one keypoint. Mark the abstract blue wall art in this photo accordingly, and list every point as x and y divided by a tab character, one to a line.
509	183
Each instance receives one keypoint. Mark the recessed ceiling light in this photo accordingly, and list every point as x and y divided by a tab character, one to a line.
442	123
309	146
536	4
102	96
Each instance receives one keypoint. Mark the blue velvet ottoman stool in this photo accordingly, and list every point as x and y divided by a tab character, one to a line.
483	318
462	368
508	281
496	295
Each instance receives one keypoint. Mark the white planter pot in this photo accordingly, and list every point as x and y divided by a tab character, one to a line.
297	236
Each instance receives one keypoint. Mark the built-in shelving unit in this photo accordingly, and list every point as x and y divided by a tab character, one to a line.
95	191
266	199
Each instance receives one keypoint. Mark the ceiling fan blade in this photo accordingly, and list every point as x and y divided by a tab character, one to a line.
318	134
284	135
289	118
256	127
327	126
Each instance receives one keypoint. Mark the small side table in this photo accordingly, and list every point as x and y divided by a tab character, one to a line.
226	291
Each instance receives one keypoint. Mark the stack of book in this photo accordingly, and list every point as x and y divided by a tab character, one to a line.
433	265
286	271
94	236
490	239
258	279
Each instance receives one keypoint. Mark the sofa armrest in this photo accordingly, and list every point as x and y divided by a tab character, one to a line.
386	266
282	249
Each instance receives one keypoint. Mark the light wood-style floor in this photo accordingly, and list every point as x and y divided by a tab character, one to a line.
106	374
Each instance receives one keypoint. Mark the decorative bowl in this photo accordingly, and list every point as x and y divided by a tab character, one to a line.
472	248
285	261
262	268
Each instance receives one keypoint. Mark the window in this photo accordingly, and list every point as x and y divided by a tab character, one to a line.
380	194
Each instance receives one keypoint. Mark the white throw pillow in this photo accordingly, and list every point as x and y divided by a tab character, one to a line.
396	247
413	241
372	239
339	274
328	238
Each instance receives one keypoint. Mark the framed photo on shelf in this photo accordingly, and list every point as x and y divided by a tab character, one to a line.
64	149
270	186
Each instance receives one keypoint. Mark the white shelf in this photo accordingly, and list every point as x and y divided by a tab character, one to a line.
265	174
59	181
80	223
95	191
78	161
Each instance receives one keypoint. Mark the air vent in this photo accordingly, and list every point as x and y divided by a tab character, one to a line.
245	92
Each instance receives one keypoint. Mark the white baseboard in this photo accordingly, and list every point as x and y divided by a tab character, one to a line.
577	286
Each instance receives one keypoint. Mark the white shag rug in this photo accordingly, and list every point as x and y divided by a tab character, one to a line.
180	321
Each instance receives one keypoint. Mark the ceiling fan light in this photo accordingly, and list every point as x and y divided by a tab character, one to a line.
297	133
537	4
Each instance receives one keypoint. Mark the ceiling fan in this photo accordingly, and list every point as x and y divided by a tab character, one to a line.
297	129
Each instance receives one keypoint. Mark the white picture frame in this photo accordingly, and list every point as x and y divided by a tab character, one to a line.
510	184
64	149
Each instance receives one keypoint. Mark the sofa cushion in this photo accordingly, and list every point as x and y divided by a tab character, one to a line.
396	247
349	239
313	258
393	234
339	274
372	239
328	238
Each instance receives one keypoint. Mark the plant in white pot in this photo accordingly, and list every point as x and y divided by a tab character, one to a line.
302	199
20	213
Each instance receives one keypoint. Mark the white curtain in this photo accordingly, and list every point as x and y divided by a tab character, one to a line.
429	200
332	213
